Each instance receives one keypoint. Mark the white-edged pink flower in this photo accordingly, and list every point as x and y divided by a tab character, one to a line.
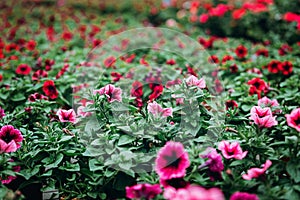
262	117
256	172
232	150
172	161
10	139
293	119
66	115
157	110
194	81
111	92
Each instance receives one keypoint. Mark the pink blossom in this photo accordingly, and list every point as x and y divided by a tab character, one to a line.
266	102
172	161
66	115
144	190
11	178
81	112
243	196
256	172
293	119
111	92
214	161
10	139
232	150
194	81
262	117
193	192
157	110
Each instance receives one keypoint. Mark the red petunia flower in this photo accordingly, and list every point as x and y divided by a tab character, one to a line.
39	74
31	44
262	52
286	68
172	161
67	36
213	59
226	58
241	51
274	66
257	86
143	191
157	91
50	90
231	104
10	139
203	18
284	49
238	13
23	69
110	61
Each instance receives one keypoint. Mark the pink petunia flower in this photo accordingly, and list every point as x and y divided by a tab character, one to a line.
2	113
293	119
11	178
66	115
81	112
10	139
262	117
157	110
232	150
193	192
256	172
243	196
266	102
111	92
194	81
172	161
144	190
214	161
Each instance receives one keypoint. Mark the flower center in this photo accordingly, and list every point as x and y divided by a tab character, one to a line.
173	160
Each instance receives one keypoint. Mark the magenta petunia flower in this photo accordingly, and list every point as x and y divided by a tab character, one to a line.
10	139
243	196
256	172
157	110
11	178
2	114
172	161
232	150
214	161
262	117
145	191
293	119
66	115
194	81
193	192
111	92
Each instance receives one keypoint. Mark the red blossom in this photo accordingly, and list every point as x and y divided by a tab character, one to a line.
50	90
23	69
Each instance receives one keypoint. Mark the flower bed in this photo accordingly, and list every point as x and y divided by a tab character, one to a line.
92	108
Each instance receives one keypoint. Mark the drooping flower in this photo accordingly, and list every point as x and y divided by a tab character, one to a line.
10	139
293	119
157	91
232	150
243	196
66	115
194	81
262	117
23	69
241	51
157	110
193	192
214	161
145	191
50	90
172	161
111	92
256	172
2	113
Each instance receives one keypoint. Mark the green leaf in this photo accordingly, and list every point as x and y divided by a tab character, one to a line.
293	168
125	139
71	167
58	160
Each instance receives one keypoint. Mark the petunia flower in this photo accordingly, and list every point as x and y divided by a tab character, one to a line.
266	102
293	119
145	191
194	81
193	192
50	90
2	113
262	117
241	51
214	161
243	196
66	115
10	139
111	92
157	110
172	161
232	150
23	69
256	172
